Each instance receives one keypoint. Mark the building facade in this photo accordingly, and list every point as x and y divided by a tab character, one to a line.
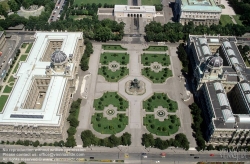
42	94
2	40
121	11
204	12
221	82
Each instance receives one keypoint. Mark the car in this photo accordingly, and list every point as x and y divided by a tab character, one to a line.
91	157
191	154
196	157
144	155
157	161
211	155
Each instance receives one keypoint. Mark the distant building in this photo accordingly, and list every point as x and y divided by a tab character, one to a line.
2	40
201	12
134	11
38	105
221	81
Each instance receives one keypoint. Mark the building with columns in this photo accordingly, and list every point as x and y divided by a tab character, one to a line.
201	12
42	94
121	11
222	84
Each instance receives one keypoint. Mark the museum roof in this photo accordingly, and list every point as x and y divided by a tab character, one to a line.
33	67
134	9
200	6
223	114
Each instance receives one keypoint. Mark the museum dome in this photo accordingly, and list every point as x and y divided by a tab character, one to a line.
214	61
58	57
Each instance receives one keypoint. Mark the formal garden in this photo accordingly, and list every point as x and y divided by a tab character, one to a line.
147	59
110	98
157	77
161	128
117	121
114	66
156	48
103	125
155	67
113	47
121	58
160	99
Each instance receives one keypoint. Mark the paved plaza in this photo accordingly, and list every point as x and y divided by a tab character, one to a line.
173	87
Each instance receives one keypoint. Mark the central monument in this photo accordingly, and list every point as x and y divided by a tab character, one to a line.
135	87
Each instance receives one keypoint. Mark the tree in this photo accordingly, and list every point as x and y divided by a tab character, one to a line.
88	138
103	34
71	142
36	143
71	131
73	121
148	140
13	5
113	141
126	139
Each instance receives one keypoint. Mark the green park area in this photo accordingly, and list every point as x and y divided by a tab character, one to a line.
237	19
29	47
111	98
156	48
24	45
159	99
3	100
161	128
117	2
111	76
113	47
7	89
122	58
225	19
22	58
151	2
103	125
157	77
147	59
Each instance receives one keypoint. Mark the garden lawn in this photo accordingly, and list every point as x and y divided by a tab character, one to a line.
103	125
113	47
114	2
29	47
24	45
110	98
122	58
161	128
159	77
159	99
156	48
3	100
111	76
23	57
150	2
147	59
237	19
7	89
11	79
225	19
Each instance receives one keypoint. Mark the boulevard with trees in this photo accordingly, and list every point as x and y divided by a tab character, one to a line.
175	32
89	139
180	140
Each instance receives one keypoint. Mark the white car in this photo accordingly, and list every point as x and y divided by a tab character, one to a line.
157	161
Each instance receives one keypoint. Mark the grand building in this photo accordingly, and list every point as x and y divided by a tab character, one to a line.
201	12
221	81
2	40
41	97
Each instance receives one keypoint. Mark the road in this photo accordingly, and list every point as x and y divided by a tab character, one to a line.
55	14
10	49
60	154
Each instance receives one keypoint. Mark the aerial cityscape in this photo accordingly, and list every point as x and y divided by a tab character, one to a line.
125	81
